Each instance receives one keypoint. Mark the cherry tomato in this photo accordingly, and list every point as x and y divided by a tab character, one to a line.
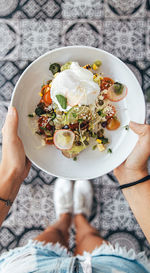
113	124
43	123
47	98
106	83
49	141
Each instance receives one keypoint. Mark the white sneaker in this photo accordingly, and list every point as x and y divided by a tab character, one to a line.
83	197
63	196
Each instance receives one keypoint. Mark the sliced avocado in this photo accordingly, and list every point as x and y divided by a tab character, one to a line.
74	151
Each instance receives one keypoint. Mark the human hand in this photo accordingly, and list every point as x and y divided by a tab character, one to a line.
135	166
14	165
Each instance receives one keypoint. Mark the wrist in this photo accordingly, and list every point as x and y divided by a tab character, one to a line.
129	176
9	183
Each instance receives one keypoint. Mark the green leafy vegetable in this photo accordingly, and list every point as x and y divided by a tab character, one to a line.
101	114
74	115
94	135
54	68
80	120
39	111
126	127
104	140
53	116
75	158
86	142
43	128
94	147
109	151
62	101
30	115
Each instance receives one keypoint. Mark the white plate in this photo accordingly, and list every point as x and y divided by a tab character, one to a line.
90	164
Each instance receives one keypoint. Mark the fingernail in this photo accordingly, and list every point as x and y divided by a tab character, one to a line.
11	111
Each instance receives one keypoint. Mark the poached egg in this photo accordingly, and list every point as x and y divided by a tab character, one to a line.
76	85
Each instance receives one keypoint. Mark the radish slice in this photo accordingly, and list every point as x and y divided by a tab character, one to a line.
63	139
114	95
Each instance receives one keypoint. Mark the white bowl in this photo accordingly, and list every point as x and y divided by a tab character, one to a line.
90	164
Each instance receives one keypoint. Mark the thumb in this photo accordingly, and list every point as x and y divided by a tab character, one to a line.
138	128
10	127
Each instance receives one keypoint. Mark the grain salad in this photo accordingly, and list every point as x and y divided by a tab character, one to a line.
76	107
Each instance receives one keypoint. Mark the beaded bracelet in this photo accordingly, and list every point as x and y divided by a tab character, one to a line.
7	202
134	183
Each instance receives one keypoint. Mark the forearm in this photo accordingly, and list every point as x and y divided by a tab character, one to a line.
9	187
138	197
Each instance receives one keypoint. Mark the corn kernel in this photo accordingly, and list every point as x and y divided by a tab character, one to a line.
55	111
40	94
87	66
95	76
101	147
49	138
99	141
95	67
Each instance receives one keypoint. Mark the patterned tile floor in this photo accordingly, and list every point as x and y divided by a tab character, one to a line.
28	28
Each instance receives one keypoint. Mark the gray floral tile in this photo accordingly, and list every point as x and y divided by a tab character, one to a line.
148	120
125	238
6	91
92	9
31	8
125	39
9	73
146	78
41	9
9	70
10	39
124	9
82	32
148	39
39	37
136	72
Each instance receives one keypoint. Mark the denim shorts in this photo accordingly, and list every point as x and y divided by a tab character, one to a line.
49	258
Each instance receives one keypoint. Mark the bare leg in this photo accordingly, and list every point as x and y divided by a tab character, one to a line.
87	237
59	232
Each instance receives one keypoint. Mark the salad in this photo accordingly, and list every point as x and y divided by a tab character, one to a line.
75	108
